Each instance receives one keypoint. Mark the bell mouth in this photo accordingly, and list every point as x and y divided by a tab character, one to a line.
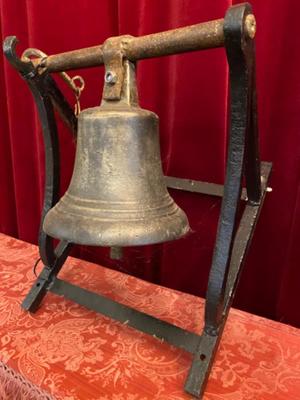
95	231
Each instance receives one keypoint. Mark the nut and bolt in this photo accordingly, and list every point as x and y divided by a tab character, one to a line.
110	77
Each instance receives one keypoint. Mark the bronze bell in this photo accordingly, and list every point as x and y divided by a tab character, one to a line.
117	195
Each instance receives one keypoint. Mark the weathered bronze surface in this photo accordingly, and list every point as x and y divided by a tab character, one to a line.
117	195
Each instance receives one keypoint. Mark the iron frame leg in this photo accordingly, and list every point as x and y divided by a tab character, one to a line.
209	341
39	289
47	97
243	159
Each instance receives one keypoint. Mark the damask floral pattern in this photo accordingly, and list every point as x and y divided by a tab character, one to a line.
64	351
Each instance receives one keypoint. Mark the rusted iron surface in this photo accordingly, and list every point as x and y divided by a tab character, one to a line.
114	50
194	37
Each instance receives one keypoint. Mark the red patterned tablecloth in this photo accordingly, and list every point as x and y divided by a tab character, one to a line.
64	351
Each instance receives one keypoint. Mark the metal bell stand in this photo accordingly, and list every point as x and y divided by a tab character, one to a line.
235	32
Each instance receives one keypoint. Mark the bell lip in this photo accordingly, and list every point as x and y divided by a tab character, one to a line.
116	235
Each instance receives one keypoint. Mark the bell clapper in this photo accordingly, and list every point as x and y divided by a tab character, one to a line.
116	253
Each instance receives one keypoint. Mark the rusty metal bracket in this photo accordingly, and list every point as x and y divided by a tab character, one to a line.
114	50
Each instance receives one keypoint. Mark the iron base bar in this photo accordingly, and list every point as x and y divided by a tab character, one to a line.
143	322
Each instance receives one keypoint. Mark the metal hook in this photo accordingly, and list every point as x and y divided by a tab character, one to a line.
33	52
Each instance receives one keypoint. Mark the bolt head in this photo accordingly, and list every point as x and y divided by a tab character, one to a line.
110	77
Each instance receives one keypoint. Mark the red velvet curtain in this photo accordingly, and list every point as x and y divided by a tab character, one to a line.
189	93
